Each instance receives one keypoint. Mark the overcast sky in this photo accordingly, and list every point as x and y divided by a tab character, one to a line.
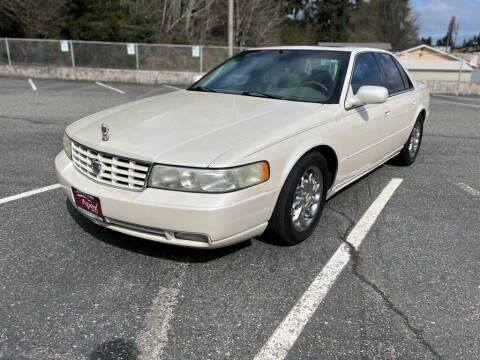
435	15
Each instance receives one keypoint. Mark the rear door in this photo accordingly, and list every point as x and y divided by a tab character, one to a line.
402	100
365	127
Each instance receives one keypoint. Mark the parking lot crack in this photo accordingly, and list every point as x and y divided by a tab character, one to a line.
345	216
355	257
419	333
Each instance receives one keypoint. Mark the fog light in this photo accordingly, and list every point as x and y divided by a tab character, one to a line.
191	236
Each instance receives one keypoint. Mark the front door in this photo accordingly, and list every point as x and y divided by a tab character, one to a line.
366	127
402	99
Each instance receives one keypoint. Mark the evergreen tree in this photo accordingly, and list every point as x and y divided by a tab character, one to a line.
257	22
426	41
332	19
452	31
101	20
385	21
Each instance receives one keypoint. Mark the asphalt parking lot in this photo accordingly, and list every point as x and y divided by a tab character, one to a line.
72	290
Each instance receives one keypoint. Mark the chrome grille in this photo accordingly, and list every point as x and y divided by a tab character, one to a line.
114	170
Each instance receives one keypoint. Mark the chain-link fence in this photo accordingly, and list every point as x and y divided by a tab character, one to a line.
169	57
94	54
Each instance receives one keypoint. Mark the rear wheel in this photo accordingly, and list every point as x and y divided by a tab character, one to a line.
410	150
301	200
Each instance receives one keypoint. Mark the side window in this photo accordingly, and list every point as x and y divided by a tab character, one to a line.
406	81
365	72
393	78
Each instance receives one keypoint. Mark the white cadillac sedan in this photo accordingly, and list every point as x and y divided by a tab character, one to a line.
259	142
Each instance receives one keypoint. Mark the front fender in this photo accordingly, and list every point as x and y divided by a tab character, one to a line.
283	156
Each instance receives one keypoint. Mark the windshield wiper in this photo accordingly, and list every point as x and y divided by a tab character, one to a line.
261	94
202	88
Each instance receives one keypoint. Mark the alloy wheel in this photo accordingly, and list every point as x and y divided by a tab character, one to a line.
307	198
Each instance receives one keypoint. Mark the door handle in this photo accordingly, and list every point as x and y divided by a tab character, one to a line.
414	101
388	113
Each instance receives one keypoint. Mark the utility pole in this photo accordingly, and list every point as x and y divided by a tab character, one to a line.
459	76
230	28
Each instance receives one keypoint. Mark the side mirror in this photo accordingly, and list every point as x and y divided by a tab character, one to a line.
367	94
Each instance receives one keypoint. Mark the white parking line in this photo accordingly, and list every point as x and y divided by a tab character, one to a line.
454	102
110	87
32	84
154	336
288	331
469	189
29	193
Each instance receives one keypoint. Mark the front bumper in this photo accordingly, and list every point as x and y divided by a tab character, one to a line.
225	218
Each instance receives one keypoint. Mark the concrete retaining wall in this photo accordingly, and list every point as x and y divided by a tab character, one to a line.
453	87
89	74
176	77
440	75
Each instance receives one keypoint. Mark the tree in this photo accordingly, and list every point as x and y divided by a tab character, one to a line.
112	20
311	21
298	32
472	43
332	19
452	32
34	18
8	27
362	24
257	22
184	21
295	8
426	41
390	21
450	39
396	23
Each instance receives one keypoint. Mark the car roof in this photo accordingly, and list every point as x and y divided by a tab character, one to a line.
352	49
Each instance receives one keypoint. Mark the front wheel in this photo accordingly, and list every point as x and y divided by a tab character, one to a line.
410	150
301	200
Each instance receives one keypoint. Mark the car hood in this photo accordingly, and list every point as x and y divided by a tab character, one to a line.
191	128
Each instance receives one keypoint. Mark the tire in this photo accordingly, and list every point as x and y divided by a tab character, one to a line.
411	148
308	172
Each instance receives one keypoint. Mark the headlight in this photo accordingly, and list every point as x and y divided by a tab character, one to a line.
208	180
67	145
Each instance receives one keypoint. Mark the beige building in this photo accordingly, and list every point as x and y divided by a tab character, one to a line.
427	63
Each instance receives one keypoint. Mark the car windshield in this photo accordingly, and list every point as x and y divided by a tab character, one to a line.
296	75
